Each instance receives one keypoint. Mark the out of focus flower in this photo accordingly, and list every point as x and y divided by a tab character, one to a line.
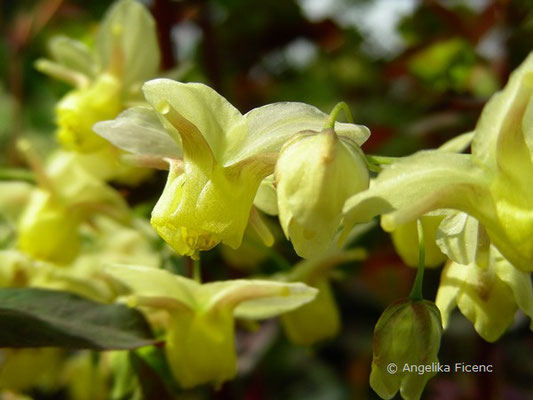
319	319
67	195
406	244
107	80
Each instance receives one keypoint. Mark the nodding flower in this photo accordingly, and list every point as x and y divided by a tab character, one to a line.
217	157
200	338
493	184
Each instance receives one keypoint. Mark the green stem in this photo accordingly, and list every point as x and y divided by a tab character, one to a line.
16	174
416	292
372	166
330	123
196	271
374	163
382	160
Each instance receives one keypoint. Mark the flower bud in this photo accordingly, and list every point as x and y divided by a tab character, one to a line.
314	321
48	230
200	347
315	173
80	109
408	333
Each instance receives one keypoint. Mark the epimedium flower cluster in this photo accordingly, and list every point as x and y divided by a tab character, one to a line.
492	184
475	208
291	160
217	159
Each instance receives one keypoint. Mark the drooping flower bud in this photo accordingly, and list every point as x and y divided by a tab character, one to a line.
314	321
319	319
315	173
407	334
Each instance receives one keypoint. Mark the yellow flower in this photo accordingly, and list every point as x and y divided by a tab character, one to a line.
487	288
209	194
22	369
107	79
80	109
493	184
315	321
319	319
200	338
48	228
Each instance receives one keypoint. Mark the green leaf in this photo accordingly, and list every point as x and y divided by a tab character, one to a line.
32	317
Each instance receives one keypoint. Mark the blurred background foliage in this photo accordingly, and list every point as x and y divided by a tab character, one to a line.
416	72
